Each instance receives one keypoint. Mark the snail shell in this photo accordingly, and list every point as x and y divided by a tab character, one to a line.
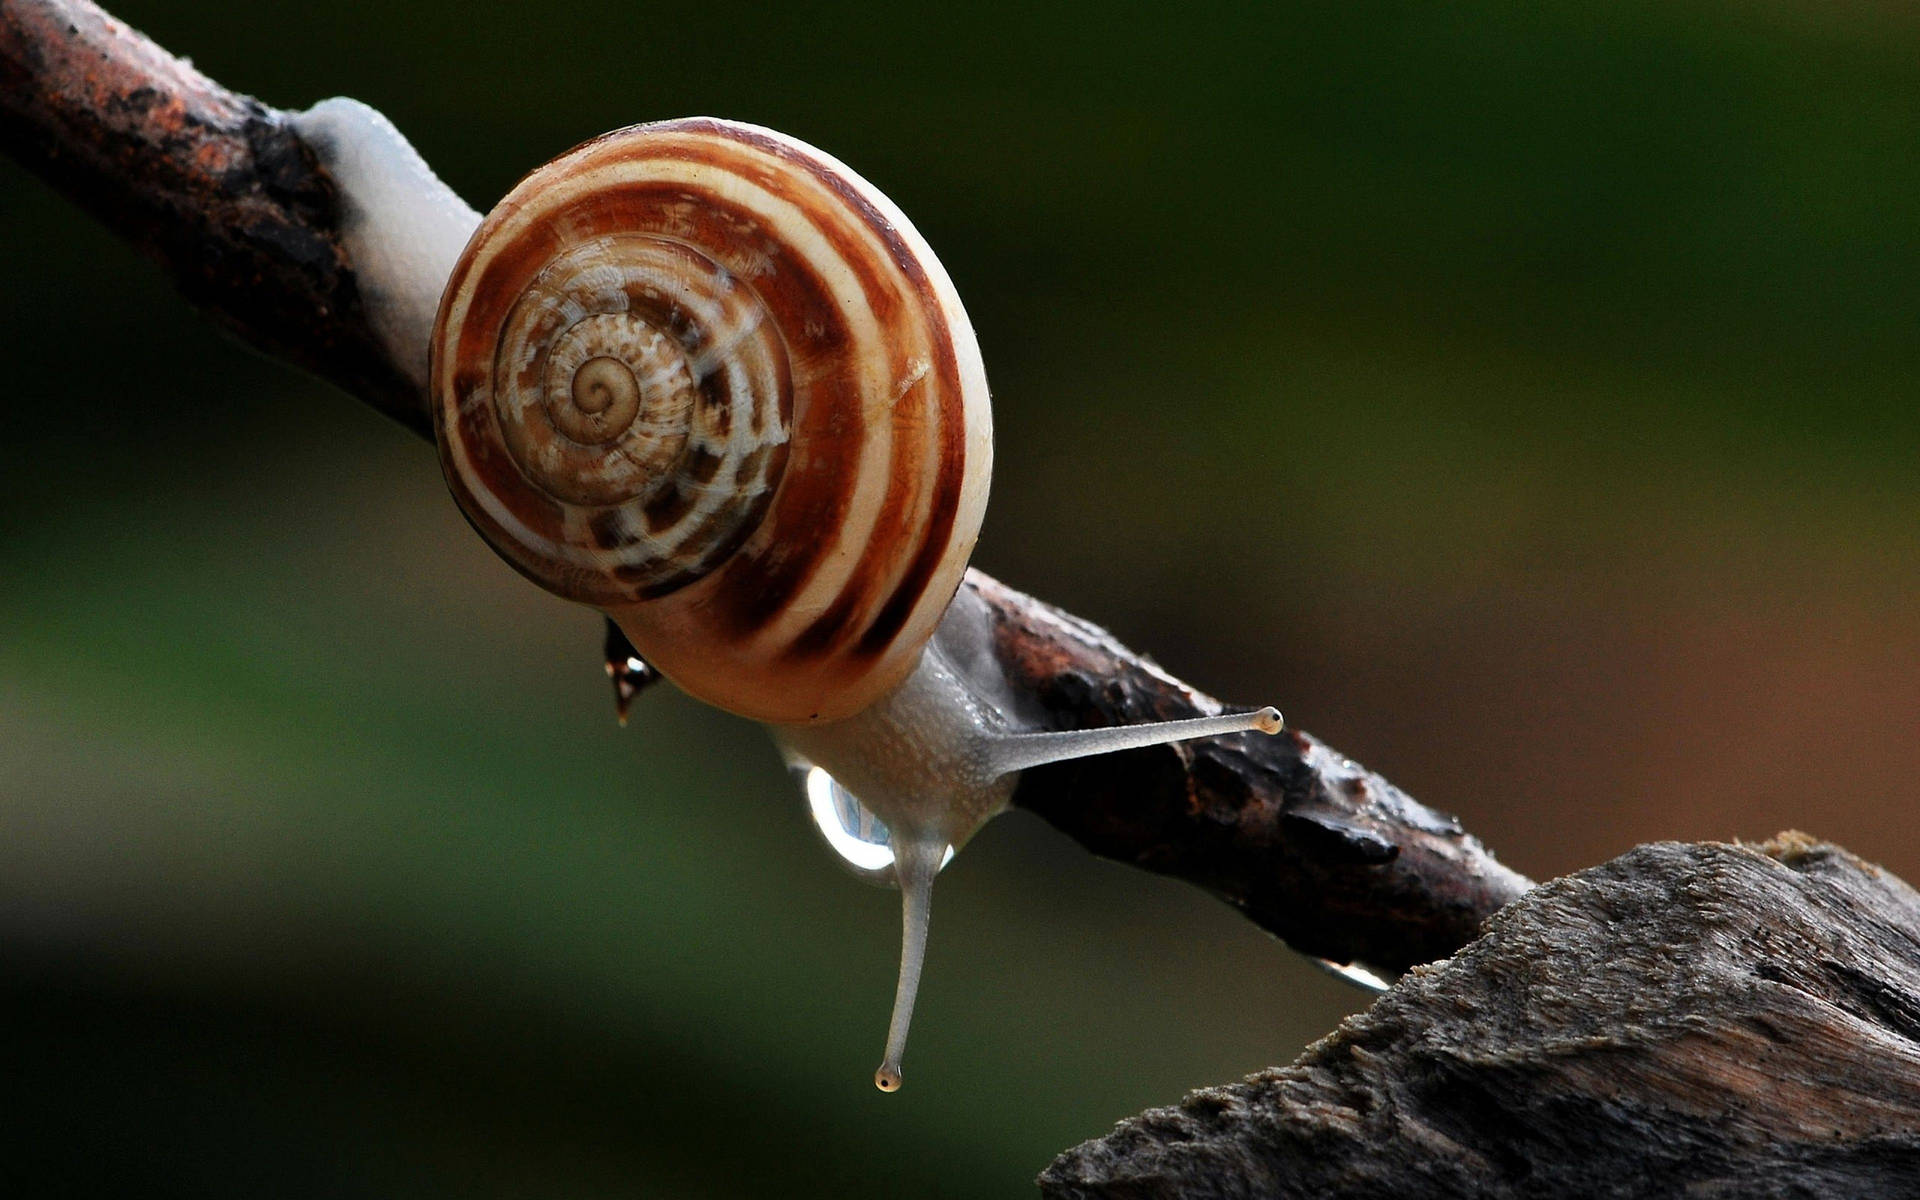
706	378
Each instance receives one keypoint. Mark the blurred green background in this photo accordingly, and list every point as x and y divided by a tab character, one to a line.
1519	394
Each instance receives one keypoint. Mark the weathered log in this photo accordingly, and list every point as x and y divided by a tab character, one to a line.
1702	1020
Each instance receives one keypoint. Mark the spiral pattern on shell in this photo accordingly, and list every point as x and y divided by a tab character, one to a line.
706	378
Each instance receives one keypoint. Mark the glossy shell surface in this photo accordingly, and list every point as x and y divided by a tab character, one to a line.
706	378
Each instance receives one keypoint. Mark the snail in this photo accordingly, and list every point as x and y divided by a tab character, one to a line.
708	380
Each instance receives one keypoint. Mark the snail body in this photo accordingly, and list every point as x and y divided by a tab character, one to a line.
706	379
938	756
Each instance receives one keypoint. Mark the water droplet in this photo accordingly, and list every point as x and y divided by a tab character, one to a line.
630	673
857	837
1364	978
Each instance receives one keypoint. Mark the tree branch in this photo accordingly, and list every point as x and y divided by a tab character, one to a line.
214	186
220	190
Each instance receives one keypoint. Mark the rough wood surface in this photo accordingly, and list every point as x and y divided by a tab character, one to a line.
219	190
1699	1020
213	185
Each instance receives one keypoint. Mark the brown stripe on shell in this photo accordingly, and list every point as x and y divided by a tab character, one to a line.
707	541
943	508
719	415
943	511
893	615
699	544
609	530
467	378
667	507
933	527
701	465
493	470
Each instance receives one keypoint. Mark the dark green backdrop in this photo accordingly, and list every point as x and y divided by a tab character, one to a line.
1519	394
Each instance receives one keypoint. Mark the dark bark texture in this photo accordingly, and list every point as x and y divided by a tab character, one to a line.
1701	1020
1307	843
220	191
213	185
